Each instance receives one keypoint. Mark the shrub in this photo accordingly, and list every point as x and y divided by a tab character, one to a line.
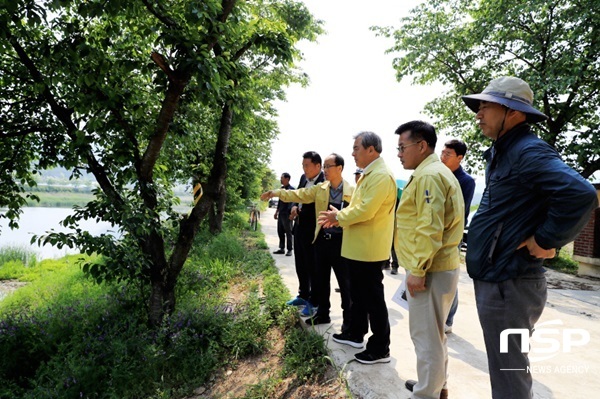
12	269
62	335
563	263
102	344
225	246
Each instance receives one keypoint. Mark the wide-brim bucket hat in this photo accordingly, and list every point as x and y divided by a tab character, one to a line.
511	92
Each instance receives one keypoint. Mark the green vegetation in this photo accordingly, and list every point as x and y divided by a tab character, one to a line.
62	335
553	46
305	354
60	199
135	99
16	256
563	262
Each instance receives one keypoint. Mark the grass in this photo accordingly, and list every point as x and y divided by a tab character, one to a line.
563	262
63	199
305	354
64	336
16	258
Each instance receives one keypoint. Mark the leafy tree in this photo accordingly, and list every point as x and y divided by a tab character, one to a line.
269	181
554	46
143	95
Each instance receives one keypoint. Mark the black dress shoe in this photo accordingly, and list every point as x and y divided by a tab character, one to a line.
317	319
279	252
410	384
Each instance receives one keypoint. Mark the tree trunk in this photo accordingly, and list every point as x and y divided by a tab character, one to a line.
221	209
212	218
218	212
161	301
188	225
219	171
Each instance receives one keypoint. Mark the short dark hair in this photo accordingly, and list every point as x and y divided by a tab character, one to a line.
457	145
339	161
286	175
419	130
313	156
370	139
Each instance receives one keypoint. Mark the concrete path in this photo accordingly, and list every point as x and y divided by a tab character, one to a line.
565	367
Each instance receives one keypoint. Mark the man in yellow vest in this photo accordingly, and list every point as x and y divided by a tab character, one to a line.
368	223
429	227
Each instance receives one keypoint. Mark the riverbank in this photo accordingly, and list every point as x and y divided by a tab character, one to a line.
8	286
63	199
69	199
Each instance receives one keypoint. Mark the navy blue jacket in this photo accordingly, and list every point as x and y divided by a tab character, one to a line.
307	221
529	191
284	208
467	186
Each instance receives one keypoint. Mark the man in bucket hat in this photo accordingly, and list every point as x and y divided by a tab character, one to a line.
533	203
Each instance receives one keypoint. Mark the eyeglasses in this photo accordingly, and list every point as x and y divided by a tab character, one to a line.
329	166
404	147
447	154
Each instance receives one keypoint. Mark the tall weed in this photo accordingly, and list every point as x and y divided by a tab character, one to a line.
305	354
226	246
24	255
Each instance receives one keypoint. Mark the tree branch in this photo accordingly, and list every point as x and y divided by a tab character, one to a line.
162	18
26	131
64	115
162	64
227	7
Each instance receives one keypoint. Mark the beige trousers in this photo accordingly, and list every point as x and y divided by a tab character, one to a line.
428	311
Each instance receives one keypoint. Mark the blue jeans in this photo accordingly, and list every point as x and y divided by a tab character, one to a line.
453	308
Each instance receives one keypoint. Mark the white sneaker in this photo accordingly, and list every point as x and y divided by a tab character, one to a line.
447	329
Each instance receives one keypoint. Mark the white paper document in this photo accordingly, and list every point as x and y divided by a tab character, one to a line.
400	295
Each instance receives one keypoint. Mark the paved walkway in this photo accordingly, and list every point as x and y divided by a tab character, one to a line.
569	372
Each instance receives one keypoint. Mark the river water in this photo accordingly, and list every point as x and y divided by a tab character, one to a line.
39	220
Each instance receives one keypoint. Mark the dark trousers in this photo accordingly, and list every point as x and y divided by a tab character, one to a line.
284	230
516	303
328	250
395	264
453	309
368	305
304	258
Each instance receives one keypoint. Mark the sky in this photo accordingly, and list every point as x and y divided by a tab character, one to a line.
352	88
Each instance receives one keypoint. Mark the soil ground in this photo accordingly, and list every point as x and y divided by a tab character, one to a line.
235	380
